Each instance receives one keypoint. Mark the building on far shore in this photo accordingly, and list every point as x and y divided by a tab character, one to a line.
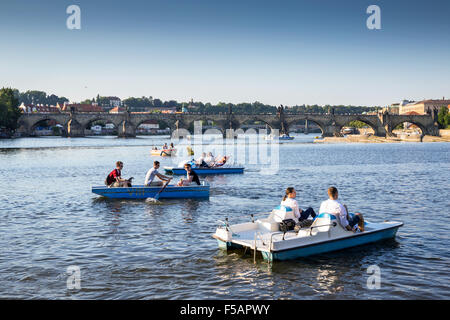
117	110
110	103
80	107
167	109
424	106
392	109
38	108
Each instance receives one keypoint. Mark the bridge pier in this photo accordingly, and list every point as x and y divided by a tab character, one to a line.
74	129
127	130
23	130
331	131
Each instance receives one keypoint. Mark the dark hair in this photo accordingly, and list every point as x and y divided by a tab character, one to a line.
187	165
155	162
119	163
288	191
332	192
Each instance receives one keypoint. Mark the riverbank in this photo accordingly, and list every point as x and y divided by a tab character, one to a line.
373	139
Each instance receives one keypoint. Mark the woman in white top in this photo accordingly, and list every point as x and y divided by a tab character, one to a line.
289	201
210	158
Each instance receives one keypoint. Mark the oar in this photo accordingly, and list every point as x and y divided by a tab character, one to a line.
164	186
155	199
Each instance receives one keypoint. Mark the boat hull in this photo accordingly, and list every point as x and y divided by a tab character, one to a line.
331	245
205	171
142	192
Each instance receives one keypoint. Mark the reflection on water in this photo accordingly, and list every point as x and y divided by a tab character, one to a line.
135	250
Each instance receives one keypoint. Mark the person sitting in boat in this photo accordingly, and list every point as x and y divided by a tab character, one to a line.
165	147
152	173
201	161
210	158
301	216
221	161
191	176
114	178
171	146
334	207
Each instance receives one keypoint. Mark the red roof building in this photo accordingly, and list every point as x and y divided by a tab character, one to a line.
82	107
117	110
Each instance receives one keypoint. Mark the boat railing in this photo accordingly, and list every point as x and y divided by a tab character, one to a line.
333	224
251	216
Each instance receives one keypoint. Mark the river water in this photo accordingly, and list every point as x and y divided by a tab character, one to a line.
50	220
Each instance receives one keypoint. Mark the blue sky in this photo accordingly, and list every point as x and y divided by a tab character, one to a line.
275	52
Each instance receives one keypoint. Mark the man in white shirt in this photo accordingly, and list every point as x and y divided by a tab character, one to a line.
334	207
152	173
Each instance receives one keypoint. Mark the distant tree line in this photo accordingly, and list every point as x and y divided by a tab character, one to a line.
38	97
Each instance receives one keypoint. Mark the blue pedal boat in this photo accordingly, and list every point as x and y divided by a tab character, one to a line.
324	235
142	192
205	171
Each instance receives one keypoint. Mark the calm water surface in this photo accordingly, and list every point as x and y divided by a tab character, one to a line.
135	250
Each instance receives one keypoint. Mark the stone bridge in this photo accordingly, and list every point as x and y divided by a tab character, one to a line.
74	124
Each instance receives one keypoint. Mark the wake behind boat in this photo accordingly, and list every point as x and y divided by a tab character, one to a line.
324	235
142	192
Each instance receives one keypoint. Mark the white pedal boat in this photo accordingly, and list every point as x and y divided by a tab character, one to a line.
163	152
324	235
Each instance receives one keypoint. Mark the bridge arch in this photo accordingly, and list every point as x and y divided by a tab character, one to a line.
251	121
45	122
293	122
207	124
423	129
352	123
162	124
87	125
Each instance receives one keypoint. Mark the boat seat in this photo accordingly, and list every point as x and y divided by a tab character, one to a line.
323	223
268	224
281	213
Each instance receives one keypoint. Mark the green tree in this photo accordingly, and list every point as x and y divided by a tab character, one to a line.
9	111
357	124
443	117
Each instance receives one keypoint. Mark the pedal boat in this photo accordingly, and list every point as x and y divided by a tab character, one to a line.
283	137
205	171
324	235
163	152
142	192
